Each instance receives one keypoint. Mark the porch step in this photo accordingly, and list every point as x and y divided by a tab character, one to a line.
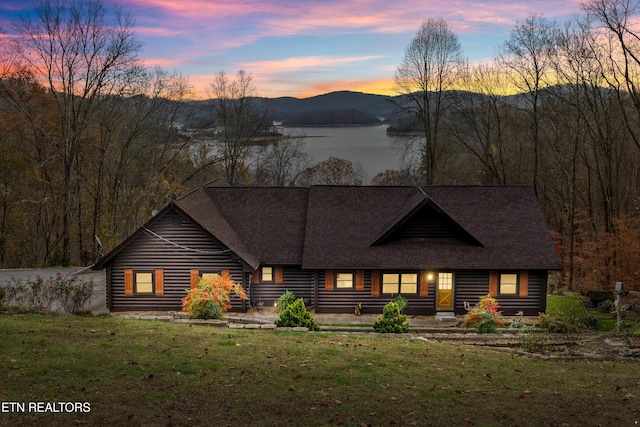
446	316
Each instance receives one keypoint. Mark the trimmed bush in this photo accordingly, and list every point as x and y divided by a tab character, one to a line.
392	319
296	315
285	300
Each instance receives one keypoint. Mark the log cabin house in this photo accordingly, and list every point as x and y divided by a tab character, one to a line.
441	247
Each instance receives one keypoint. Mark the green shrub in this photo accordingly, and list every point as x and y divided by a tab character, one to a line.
296	315
597	297
532	342
285	300
518	322
606	306
68	292
392	319
593	323
561	324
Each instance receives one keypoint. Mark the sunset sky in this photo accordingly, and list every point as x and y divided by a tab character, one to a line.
305	48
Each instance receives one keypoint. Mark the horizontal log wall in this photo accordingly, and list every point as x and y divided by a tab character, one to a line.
345	300
148	253
296	280
471	285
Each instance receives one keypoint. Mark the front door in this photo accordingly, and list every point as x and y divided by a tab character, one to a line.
444	292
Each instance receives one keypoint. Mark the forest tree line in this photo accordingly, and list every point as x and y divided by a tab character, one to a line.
92	141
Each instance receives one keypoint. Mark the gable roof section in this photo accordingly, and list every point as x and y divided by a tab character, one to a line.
421	218
205	212
271	220
342	222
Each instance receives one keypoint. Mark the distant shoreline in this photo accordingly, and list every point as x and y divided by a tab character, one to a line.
332	126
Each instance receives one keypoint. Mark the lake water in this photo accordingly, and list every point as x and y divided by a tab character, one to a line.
368	145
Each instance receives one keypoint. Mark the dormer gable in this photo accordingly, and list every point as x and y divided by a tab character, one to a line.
420	219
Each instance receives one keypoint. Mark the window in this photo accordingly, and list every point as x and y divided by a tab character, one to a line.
508	283
144	283
445	281
403	283
409	283
344	280
267	274
208	276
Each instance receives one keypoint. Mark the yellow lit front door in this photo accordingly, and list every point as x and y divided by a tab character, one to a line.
444	294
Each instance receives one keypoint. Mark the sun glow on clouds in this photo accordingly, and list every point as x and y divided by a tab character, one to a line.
308	62
304	48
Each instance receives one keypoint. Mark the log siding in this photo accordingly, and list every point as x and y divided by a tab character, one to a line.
163	249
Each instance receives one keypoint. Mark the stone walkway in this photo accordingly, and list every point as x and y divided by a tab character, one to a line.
265	320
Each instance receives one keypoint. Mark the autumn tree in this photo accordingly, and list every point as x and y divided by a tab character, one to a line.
432	63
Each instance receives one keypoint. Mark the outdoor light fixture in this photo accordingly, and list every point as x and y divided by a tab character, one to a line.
430	277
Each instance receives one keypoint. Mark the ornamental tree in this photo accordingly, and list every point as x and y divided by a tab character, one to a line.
212	297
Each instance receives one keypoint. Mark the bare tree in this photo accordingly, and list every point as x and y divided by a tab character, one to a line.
618	19
239	122
81	54
526	59
333	171
281	162
481	124
432	63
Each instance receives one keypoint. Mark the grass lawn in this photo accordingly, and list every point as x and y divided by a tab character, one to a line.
163	374
571	305
568	305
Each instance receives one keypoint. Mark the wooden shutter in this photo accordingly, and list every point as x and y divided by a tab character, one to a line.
375	283
159	282
128	281
359	280
493	283
279	275
194	278
524	283
224	273
255	276
328	280
424	283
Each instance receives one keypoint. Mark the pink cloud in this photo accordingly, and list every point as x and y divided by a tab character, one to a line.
297	63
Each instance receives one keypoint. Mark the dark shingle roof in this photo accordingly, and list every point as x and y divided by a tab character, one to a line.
352	227
343	221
